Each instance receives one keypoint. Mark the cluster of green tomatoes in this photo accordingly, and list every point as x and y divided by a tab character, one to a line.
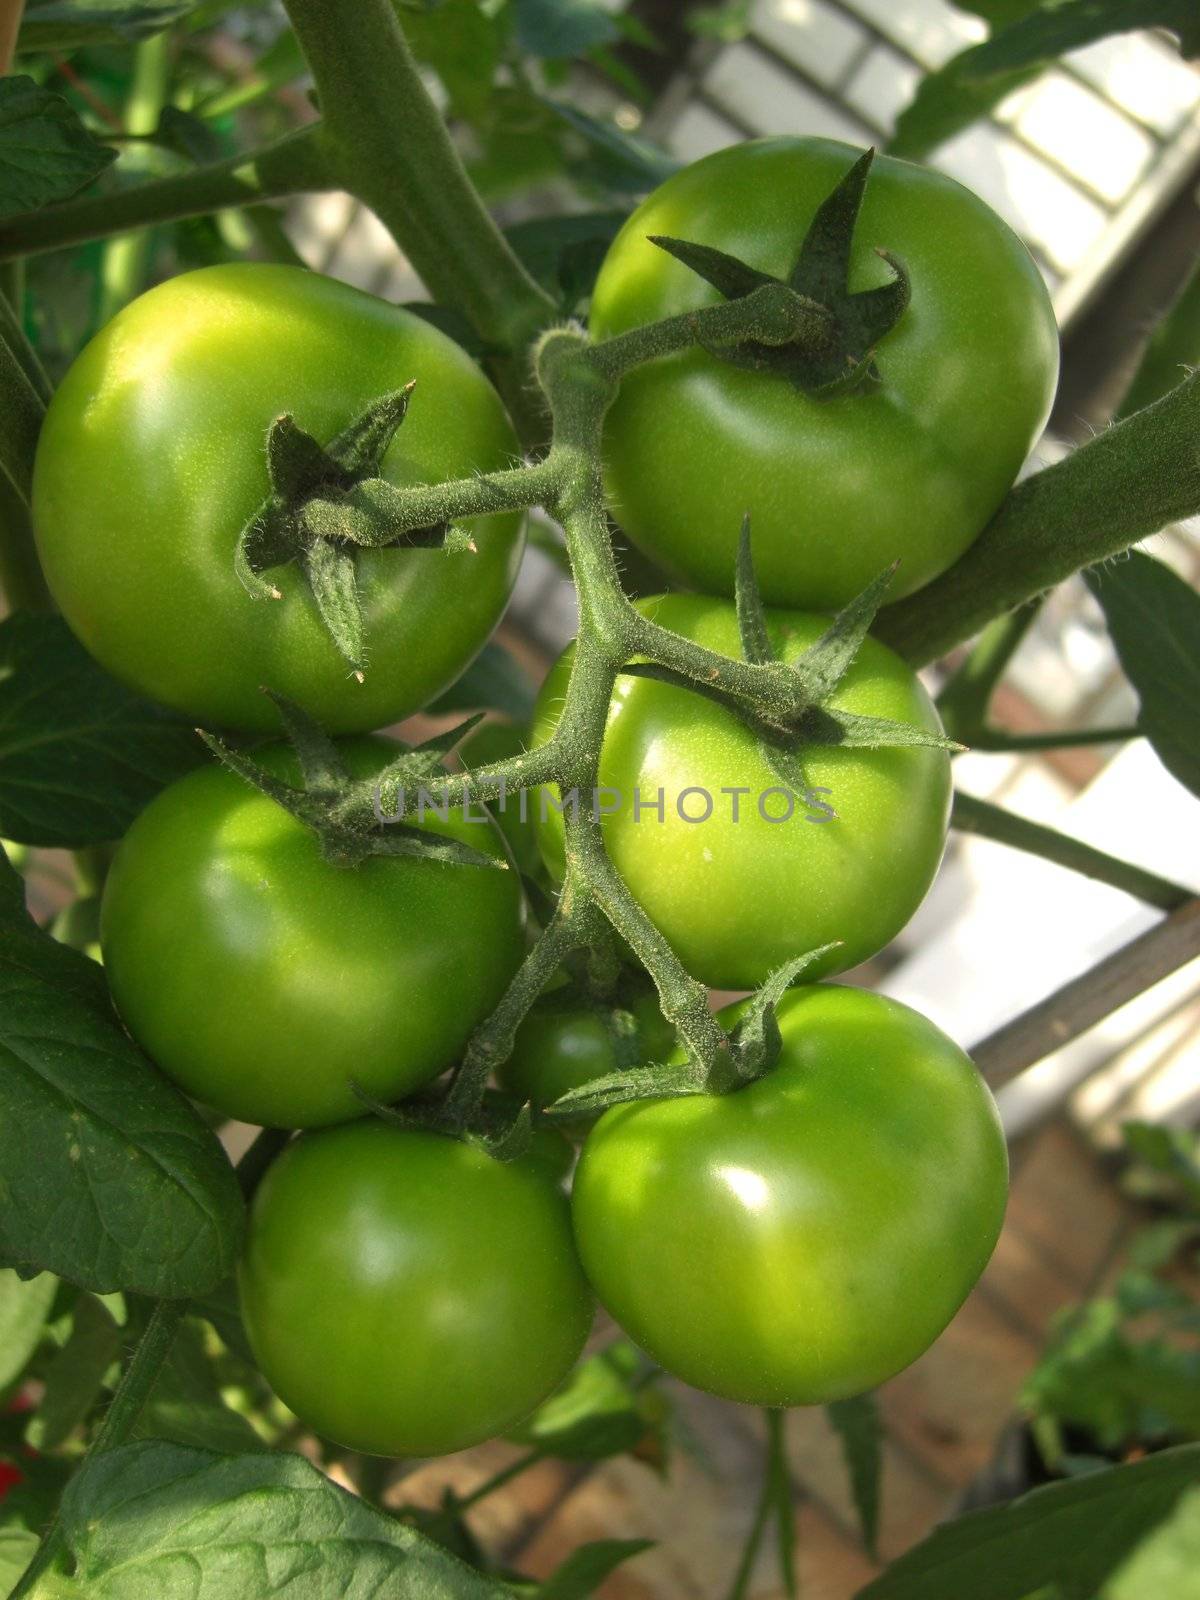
795	1241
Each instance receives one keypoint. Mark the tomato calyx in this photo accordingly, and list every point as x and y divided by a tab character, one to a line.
818	672
306	518
342	810
752	1050
842	361
502	1126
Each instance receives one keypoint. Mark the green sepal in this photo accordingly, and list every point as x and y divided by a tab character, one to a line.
844	362
508	1141
307	519
824	664
787	764
329	801
756	1042
820	725
680	680
333	580
657	1082
751	617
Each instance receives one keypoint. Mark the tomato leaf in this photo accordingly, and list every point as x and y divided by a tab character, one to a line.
185	1405
79	754
585	1569
977	79
108	1176
46	153
1071	1535
625	163
17	1545
57	25
858	1426
1153	619
1165	1564
168	1520
73	1380
554	30
604	1409
24	1307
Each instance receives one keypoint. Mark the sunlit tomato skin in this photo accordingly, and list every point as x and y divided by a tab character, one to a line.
406	1294
739	899
267	981
152	459
564	1044
836	489
807	1237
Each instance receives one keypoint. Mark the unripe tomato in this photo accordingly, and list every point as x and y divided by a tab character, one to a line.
836	489
267	981
151	460
405	1293
564	1043
806	1237
741	891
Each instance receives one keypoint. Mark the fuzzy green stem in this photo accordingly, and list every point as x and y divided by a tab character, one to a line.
987	821
1121	487
770	1503
290	166
389	146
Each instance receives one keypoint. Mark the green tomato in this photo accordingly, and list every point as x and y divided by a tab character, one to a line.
739	898
806	1237
265	980
564	1043
151	460
836	489
406	1294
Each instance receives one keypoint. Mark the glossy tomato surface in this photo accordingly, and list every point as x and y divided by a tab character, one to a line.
267	981
564	1043
406	1294
839	488
739	898
806	1237
152	459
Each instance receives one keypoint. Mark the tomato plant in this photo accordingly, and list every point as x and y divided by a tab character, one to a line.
740	882
407	1294
146	577
837	488
847	1201
268	982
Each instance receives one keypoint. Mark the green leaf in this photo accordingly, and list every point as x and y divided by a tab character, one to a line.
1073	1535
57	25
162	1520
557	29
495	682
1029	38
462	44
80	755
1153	618
46	153
74	1378
107	1175
949	100
24	1306
17	1545
858	1426
550	248
1167	1564
625	163
585	1569
185	1406
603	1410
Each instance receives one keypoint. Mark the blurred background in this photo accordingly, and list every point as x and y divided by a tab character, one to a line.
1095	161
